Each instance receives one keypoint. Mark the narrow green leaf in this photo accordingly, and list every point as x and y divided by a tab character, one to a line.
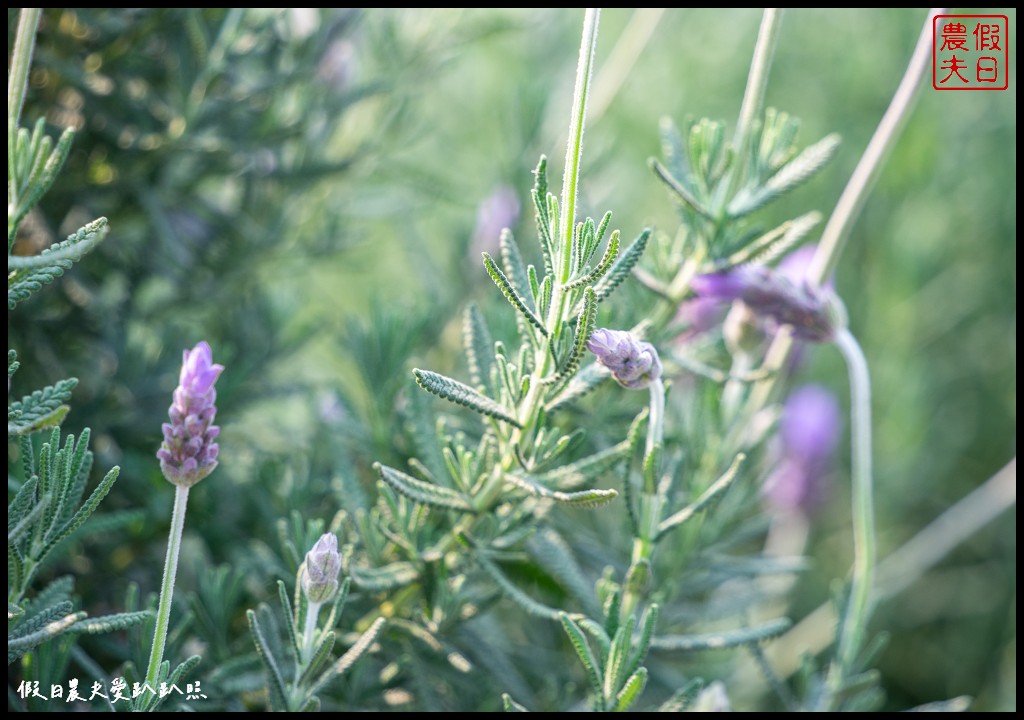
346	661
479	347
585	470
511	294
83	512
688	199
81	242
422	492
275	684
773	243
16	647
723	640
586	656
794	173
618	657
622	266
42	409
584	498
320	655
526	602
515	270
112	623
582	383
23	504
291	620
585	324
456	392
312	705
716	490
610	253
631	690
647	623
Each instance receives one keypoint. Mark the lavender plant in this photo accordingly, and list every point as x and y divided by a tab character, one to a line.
49	506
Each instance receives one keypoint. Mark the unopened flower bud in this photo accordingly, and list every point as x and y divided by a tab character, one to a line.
633	363
320	571
188	453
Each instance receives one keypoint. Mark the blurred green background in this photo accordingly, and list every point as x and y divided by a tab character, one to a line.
298	186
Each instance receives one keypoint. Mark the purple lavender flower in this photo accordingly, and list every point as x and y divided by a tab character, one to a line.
811	424
634	363
323	563
813	313
189	453
497	211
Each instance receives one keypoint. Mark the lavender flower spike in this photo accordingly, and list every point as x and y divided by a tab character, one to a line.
813	313
634	363
189	453
323	563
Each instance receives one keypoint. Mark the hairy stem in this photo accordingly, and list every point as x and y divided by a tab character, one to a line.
858	609
156	655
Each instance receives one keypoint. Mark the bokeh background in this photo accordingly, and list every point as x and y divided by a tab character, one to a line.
307	190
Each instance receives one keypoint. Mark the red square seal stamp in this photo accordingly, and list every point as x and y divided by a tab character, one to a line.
970	52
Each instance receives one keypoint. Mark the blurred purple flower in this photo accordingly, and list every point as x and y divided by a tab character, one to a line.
811	312
188	453
810	429
634	363
497	211
698	315
323	563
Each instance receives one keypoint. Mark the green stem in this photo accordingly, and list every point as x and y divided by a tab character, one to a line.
753	97
308	632
656	421
858	610
17	83
156	656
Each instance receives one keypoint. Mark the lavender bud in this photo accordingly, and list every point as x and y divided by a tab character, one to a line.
188	453
320	571
634	363
811	424
813	313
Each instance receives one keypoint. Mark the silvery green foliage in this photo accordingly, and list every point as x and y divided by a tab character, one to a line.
49	502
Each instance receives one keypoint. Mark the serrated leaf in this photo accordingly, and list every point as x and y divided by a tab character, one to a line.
647	623
479	347
460	394
610	253
275	684
511	294
83	512
716	490
18	646
387	577
346	661
515	269
682	193
618	657
422	492
533	607
584	470
631	690
553	554
773	243
112	623
586	656
320	655
43	408
622	266
724	639
77	244
794	173
23	504
585	324
584	498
